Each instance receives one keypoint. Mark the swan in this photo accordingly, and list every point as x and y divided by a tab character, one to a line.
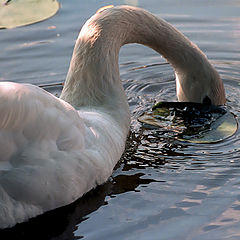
53	150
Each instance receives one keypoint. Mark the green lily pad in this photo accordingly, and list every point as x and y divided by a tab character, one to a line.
16	13
192	122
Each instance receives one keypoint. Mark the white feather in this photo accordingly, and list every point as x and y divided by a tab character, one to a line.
51	154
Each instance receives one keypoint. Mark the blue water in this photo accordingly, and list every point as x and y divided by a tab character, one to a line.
161	188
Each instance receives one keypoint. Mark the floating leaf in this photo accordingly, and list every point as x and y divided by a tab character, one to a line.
16	13
192	122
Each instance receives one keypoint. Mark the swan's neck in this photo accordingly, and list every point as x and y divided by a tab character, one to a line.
93	78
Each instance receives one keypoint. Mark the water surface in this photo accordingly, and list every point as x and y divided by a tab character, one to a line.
161	188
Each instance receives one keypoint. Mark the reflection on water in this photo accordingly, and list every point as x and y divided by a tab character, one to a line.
161	188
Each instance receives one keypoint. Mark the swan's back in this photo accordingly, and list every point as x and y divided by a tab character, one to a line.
28	117
51	154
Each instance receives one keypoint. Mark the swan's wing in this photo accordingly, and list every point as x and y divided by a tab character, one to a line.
30	115
39	135
50	154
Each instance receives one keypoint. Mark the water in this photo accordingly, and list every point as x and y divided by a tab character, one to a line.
161	188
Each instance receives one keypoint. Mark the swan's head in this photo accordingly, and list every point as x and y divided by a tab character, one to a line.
202	85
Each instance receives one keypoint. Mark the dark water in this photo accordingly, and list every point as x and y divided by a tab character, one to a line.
161	188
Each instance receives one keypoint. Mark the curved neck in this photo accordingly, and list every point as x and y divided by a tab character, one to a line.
93	77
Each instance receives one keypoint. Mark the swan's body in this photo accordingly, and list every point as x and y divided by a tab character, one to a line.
52	150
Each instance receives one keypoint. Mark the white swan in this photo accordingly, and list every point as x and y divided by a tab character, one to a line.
52	150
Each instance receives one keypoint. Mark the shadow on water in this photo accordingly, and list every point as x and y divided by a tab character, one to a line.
61	223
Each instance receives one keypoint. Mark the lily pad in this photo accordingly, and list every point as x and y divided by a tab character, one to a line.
16	13
192	122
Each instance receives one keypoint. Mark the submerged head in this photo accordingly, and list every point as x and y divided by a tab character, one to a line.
201	85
